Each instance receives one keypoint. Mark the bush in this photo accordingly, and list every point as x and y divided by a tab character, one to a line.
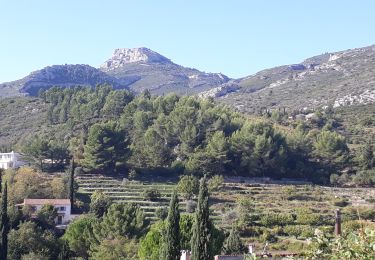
190	206
270	219
161	213
151	194
132	175
366	177
215	183
268	237
309	219
299	231
188	186
340	202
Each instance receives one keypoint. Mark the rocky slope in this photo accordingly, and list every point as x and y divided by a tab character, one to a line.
137	69
57	75
142	68
339	79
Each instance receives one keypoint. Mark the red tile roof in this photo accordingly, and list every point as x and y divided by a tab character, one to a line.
46	201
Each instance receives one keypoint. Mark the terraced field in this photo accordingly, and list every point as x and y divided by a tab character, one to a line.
264	198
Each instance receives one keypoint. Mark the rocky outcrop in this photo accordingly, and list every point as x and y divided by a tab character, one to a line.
137	69
61	75
220	91
120	57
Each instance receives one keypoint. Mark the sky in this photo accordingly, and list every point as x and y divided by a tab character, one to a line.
236	38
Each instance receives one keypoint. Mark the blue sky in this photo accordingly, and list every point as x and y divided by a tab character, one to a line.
236	38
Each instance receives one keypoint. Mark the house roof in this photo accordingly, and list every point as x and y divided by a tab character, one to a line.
46	201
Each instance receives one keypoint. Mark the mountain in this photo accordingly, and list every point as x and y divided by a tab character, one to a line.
142	68
137	69
57	75
339	79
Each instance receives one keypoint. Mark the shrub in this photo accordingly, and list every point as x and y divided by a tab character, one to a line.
161	213
190	206
299	231
340	202
309	219
270	219
151	194
268	237
215	183
132	174
188	186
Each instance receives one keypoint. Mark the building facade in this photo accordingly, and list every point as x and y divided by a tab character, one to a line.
63	206
10	160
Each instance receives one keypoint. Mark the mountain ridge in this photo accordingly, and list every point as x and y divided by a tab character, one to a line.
339	79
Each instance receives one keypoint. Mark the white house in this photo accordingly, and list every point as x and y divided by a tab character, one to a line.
64	214
10	160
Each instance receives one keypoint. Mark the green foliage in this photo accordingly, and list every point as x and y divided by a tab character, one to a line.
233	244
151	194
202	237
354	245
71	183
161	213
150	245
215	183
42	148
188	186
299	231
79	234
186	231
365	177
331	146
132	174
99	203
29	238
273	219
309	219
367	156
47	215
340	202
105	147
4	223
115	249
172	240
121	220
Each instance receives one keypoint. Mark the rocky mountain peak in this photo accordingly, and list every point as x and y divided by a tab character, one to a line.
123	56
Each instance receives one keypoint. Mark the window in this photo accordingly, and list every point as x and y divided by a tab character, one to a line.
61	208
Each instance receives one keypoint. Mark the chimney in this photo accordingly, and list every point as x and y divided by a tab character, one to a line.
337	222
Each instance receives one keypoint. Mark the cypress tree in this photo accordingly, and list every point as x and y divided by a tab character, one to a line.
367	159
71	184
4	224
1	179
172	245
201	240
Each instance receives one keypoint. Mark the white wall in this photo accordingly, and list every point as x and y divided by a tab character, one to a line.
67	216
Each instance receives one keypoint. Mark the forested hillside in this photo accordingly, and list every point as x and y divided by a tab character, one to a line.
111	131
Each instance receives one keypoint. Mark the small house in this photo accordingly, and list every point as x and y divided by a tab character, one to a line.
63	206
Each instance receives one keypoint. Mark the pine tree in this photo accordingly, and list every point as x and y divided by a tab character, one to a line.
71	184
233	244
106	145
172	248
4	224
201	240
